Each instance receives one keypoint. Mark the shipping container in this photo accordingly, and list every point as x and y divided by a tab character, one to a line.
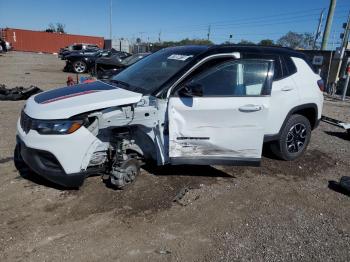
37	41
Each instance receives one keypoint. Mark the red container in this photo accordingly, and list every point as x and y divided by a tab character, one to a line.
37	41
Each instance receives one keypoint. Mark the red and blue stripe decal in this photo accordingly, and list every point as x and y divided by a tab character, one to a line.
71	91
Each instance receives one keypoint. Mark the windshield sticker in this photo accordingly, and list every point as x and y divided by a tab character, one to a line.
180	57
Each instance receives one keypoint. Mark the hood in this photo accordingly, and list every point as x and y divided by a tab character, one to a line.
65	102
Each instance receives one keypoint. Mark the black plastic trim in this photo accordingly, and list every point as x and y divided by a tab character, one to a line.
274	137
229	161
270	138
317	123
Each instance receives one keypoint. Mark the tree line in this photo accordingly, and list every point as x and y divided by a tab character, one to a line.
291	39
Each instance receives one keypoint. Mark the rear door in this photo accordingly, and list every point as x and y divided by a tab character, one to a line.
225	125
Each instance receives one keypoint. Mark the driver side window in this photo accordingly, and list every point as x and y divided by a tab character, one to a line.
235	78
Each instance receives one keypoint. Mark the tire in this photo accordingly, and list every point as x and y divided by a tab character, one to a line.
20	165
79	67
294	138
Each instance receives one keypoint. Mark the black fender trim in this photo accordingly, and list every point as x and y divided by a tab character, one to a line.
273	137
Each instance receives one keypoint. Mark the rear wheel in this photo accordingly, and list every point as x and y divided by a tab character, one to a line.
79	67
294	138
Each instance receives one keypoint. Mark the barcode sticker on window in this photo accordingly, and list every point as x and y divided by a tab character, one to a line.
180	57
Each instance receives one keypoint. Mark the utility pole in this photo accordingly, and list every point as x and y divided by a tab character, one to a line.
346	32
159	34
347	71
110	20
333	39
328	24
318	31
344	46
141	35
208	34
339	55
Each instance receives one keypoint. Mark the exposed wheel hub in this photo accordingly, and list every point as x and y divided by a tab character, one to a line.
123	175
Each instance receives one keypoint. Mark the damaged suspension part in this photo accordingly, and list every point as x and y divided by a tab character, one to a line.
125	166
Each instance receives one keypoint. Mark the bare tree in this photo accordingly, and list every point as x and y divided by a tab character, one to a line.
296	40
51	28
60	28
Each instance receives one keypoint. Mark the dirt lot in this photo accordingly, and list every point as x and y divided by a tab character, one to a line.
279	211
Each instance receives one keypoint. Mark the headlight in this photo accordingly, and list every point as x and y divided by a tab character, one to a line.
56	127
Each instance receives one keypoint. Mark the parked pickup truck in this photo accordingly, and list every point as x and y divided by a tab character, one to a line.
198	105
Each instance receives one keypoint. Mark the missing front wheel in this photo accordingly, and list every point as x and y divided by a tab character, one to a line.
124	174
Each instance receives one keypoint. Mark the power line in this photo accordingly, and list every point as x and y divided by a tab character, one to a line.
258	18
247	23
280	22
252	19
260	22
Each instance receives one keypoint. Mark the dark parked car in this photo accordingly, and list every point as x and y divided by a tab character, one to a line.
106	67
84	61
76	48
4	46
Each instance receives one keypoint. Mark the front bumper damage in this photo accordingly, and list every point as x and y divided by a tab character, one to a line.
62	159
46	165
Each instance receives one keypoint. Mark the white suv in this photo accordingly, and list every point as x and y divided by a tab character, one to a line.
182	105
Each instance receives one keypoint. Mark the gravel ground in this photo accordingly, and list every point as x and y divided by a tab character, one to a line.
281	211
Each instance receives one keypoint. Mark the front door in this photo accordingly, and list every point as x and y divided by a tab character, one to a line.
221	115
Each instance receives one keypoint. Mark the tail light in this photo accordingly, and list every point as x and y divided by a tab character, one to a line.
320	84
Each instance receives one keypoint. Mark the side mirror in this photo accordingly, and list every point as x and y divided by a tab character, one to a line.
191	90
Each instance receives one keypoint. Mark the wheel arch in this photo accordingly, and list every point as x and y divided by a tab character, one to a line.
310	111
143	145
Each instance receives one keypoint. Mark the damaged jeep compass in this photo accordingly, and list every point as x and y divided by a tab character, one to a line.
199	105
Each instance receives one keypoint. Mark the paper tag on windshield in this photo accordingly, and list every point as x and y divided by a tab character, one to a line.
180	57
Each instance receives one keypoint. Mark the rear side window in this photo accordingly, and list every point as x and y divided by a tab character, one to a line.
289	67
278	72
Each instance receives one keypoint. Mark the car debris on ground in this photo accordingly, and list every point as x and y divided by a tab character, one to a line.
343	186
18	92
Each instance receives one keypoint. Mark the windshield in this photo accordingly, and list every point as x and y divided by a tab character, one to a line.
151	72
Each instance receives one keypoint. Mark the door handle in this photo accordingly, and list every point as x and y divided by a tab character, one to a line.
287	88
250	108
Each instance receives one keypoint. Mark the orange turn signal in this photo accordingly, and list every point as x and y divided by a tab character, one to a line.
74	127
